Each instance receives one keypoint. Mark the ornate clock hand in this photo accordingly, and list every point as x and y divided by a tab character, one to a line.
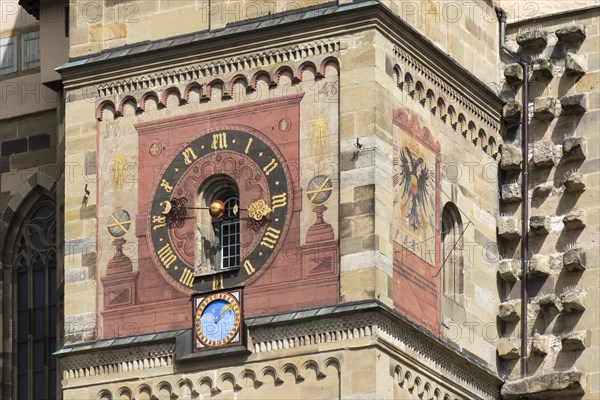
223	311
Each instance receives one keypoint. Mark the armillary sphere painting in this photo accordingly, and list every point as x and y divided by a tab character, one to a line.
415	230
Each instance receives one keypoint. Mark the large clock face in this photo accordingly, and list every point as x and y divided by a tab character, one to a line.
261	175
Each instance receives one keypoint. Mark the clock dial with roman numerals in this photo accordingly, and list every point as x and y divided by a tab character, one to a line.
263	180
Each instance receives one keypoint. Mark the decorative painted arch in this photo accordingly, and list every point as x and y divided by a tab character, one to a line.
234	80
189	87
145	97
209	87
103	105
124	101
326	62
169	91
285	70
257	76
305	65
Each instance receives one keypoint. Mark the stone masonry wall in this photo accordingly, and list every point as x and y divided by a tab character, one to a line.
564	224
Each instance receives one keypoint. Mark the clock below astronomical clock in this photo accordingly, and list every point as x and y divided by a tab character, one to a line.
218	320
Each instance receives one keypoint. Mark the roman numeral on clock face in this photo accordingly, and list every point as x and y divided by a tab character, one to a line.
270	238
270	166
187	277
249	268
278	200
219	141
166	255
188	155
217	282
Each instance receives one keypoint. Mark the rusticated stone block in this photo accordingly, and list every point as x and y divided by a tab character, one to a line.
573	341
574	220
540	344
575	64
574	300
549	386
574	103
574	148
543	153
512	112
510	311
512	158
571	33
543	69
513	73
511	192
544	108
509	270
539	224
575	182
574	259
539	265
508	348
542	190
551	304
532	38
508	228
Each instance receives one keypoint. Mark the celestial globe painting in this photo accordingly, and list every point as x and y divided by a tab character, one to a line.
118	223
319	189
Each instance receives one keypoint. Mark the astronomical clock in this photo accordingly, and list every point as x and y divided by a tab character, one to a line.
231	212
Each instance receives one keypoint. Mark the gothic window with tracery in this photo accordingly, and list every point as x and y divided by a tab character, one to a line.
34	269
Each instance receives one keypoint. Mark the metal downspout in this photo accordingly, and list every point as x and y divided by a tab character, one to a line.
524	188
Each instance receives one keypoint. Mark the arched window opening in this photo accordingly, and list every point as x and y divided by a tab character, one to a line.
217	239
35	311
453	272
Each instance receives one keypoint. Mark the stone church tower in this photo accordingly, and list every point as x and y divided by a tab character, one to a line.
299	199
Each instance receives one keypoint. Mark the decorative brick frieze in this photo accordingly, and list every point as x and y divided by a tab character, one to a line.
444	89
206	72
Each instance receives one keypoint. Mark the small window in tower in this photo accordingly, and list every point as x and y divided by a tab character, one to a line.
229	227
217	235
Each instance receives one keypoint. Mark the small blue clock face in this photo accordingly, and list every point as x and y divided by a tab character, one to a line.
218	319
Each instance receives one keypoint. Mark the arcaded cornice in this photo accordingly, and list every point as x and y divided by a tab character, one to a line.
278	31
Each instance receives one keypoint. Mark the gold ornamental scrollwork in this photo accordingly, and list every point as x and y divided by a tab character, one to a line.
258	210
